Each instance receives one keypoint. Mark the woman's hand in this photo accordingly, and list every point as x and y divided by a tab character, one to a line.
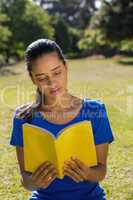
44	175
76	169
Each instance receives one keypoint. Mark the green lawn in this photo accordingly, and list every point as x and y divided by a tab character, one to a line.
109	80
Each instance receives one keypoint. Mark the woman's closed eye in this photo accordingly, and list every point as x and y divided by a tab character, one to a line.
57	73
42	79
46	78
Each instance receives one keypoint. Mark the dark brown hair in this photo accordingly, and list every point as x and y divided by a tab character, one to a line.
35	50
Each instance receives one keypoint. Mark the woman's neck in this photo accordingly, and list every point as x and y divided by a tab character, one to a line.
60	103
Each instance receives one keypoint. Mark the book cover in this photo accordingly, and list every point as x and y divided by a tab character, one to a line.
74	140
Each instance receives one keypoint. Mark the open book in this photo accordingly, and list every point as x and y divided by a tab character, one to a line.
74	140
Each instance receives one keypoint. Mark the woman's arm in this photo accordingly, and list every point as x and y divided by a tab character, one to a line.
98	172
25	176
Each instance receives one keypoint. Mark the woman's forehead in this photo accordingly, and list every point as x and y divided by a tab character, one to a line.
48	58
43	72
47	63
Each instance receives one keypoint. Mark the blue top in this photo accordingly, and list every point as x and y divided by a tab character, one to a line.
66	188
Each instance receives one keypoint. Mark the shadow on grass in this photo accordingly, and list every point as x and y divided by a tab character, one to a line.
126	62
7	72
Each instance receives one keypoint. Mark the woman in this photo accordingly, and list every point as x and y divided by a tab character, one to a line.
55	108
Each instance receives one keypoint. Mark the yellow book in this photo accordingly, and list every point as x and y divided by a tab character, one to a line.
74	140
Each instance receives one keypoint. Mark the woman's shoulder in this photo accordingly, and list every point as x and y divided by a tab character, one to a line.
22	107
22	110
95	104
95	108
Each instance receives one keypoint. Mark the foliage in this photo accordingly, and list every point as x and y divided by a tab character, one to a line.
115	19
27	23
77	26
76	13
5	33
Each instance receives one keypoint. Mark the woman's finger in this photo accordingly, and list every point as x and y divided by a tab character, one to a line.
48	173
73	165
68	174
80	171
41	168
79	163
73	174
45	180
49	179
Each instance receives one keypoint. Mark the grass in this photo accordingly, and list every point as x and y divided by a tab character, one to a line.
109	80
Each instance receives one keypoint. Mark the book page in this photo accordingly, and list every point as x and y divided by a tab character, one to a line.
76	140
38	147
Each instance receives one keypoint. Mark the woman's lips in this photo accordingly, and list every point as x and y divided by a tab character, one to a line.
55	91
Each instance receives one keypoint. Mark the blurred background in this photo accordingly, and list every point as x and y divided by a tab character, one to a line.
80	27
96	37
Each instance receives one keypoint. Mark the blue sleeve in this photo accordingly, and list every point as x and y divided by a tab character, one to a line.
101	126
16	138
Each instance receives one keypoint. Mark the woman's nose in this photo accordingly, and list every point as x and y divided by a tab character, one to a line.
51	82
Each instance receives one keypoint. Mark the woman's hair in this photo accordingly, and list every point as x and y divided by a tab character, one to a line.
35	50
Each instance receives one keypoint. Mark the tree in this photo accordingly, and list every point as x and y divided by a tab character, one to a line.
93	42
37	22
62	36
76	13
115	19
28	22
5	35
69	18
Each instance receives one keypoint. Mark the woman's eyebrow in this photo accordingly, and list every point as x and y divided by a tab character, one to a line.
59	66
56	68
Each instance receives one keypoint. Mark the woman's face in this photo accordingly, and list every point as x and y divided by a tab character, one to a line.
50	75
